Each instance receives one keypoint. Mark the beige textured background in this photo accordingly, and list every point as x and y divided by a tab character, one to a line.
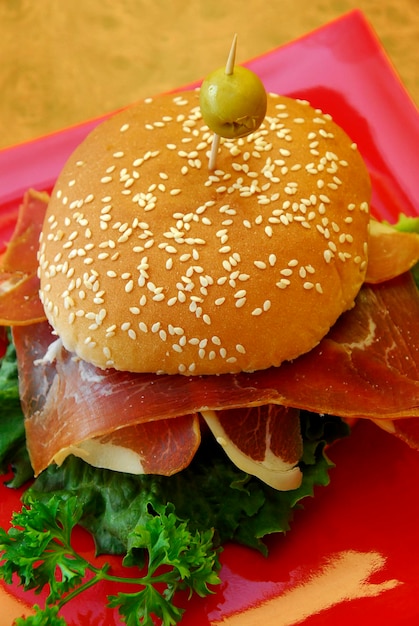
64	61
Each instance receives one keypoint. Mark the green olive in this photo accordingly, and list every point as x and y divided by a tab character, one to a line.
233	105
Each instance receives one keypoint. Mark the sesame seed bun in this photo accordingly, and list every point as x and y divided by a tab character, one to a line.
149	262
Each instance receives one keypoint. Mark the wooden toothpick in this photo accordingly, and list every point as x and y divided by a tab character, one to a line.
214	150
229	69
231	57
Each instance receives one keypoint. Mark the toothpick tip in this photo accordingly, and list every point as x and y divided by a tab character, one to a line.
232	56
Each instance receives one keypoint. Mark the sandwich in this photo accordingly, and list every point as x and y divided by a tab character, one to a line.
169	307
151	264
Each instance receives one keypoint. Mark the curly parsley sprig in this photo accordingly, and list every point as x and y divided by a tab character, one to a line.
37	548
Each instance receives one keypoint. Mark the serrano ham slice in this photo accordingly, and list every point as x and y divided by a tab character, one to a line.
264	441
19	284
20	254
65	401
19	301
367	366
159	447
111	419
390	252
405	429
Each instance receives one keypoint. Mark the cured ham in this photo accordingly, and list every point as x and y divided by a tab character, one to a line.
69	407
20	254
405	429
19	284
368	366
157	447
19	301
264	441
112	419
390	252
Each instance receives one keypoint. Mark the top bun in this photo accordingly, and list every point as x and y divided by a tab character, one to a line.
149	262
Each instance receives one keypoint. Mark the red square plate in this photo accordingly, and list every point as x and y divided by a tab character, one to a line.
352	554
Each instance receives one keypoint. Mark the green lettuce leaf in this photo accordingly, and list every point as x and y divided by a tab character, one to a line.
12	432
407	224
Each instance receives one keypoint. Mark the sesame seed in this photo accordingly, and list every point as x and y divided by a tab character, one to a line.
328	255
260	265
